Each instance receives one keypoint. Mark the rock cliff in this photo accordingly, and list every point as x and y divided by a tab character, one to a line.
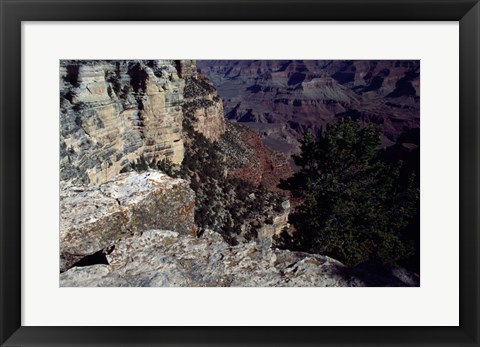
93	219
203	107
113	113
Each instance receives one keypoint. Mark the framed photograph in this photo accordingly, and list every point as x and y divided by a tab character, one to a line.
239	173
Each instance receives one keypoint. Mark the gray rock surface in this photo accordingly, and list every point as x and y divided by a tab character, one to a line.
160	258
94	218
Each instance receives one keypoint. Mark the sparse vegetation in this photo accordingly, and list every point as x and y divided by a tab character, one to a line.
233	207
195	87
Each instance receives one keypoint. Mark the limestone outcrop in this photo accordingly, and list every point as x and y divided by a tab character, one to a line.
95	218
203	106
114	113
158	258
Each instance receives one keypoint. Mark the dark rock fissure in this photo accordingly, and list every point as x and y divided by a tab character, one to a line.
99	257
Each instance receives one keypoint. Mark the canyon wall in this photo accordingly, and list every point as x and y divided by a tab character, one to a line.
114	113
280	99
203	107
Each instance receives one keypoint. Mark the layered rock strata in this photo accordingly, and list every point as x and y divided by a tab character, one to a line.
95	218
204	107
158	258
282	98
114	113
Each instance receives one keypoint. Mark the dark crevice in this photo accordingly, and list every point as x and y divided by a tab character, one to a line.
254	88
99	257
296	78
344	77
72	75
138	77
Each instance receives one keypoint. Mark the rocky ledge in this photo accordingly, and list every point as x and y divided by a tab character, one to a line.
159	258
93	219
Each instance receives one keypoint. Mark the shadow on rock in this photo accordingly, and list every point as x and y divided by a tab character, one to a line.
376	275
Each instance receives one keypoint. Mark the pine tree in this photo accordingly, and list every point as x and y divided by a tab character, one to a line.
354	208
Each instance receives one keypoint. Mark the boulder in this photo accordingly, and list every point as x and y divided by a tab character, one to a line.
95	218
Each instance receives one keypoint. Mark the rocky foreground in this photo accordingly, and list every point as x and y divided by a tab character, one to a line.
162	258
137	230
93	219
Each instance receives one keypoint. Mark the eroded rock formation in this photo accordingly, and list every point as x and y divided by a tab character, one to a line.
281	99
113	113
204	107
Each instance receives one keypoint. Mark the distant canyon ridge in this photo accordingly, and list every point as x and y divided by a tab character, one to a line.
280	99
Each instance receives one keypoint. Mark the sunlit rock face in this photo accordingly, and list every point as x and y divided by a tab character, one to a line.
113	113
95	218
202	105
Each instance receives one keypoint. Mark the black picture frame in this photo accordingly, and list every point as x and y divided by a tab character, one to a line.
13	12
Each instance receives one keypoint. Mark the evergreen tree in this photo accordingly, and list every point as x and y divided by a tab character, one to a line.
354	207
